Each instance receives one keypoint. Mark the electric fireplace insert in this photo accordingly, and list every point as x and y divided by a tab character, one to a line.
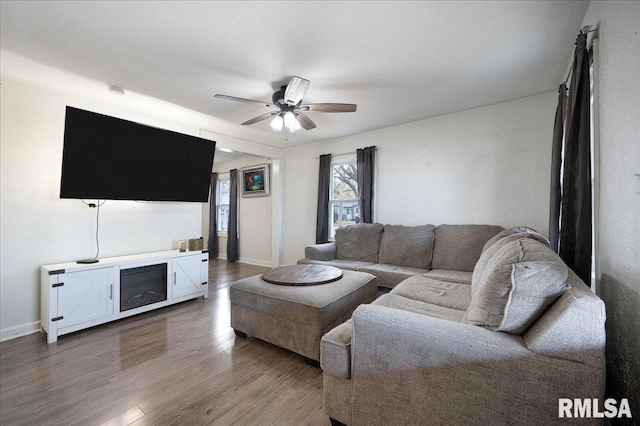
142	286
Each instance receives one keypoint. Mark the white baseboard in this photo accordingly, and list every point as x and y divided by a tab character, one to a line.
256	262
19	331
248	261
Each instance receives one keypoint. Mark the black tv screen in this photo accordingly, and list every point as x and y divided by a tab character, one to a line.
108	158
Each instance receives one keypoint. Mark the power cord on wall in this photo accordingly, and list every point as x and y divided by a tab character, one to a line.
97	207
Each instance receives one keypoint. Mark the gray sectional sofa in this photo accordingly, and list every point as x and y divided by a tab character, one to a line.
394	253
482	326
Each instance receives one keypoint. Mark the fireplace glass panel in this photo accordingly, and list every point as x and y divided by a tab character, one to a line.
142	286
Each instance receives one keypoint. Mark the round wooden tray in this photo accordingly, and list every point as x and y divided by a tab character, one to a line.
302	275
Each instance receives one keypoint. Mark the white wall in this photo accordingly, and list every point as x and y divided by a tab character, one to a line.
254	219
488	165
618	227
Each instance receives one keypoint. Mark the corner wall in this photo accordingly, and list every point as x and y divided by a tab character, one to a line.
254	219
489	165
618	227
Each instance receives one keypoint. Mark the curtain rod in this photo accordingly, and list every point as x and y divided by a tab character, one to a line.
350	152
585	30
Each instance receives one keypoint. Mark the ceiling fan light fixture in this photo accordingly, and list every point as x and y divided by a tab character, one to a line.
276	123
288	106
290	121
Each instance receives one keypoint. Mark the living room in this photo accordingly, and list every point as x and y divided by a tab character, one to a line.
488	163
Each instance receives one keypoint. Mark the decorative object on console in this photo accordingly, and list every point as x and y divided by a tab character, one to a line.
255	181
196	244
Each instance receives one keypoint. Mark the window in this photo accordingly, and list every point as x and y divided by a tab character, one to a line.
343	199
222	200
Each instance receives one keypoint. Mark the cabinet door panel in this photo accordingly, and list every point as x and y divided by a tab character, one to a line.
186	276
85	296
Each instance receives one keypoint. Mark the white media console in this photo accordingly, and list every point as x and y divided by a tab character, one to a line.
77	296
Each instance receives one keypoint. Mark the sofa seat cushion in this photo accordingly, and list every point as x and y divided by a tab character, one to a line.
335	351
404	303
520	281
410	246
359	242
441	293
347	265
390	275
458	247
462	277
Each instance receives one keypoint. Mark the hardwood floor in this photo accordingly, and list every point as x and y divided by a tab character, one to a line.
178	365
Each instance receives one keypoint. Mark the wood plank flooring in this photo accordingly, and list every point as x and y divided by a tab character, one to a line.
180	365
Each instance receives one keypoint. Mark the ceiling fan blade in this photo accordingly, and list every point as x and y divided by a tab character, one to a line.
249	101
305	122
329	107
296	89
260	118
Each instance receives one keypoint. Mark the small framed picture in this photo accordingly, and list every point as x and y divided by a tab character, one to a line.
255	181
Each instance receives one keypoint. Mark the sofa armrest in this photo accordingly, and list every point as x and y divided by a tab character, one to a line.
335	351
409	368
326	251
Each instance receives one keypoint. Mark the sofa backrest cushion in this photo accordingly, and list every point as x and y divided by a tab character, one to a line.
359	242
410	246
458	247
490	249
512	231
519	282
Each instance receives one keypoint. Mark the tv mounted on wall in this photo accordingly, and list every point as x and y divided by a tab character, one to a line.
108	158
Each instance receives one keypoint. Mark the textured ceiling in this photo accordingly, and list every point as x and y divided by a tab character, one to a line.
399	61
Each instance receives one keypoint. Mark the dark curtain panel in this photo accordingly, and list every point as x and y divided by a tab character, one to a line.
324	182
556	165
213	218
575	216
365	161
232	233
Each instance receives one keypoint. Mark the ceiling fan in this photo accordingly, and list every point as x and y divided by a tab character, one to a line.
288	107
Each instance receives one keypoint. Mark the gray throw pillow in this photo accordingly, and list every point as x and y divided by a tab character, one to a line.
410	246
519	282
508	235
359	242
512	231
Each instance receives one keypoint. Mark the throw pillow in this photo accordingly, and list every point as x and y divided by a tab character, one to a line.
410	246
519	282
512	231
491	249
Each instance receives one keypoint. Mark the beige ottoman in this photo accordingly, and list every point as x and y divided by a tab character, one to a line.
296	317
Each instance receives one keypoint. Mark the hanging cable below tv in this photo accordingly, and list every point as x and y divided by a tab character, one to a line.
97	207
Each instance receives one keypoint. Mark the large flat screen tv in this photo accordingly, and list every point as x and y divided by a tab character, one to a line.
108	158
